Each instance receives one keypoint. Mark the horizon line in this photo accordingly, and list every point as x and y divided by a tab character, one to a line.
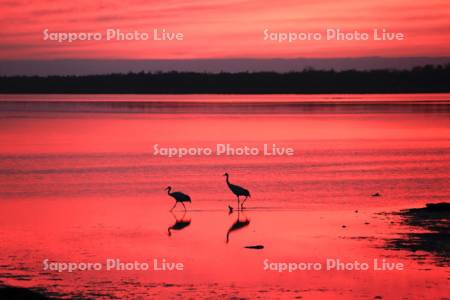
89	66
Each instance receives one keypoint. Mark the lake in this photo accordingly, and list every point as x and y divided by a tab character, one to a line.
80	183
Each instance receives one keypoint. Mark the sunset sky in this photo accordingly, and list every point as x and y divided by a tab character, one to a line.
222	29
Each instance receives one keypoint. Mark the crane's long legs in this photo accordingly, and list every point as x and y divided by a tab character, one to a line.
239	200
242	204
184	206
174	206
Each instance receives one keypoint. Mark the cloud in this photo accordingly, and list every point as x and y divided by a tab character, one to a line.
221	28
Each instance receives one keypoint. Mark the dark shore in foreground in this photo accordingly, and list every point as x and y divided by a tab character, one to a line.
435	219
424	79
19	293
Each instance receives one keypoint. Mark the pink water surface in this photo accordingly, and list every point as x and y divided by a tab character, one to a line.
85	187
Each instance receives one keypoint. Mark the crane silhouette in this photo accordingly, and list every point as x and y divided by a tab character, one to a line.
179	197
179	223
238	224
238	191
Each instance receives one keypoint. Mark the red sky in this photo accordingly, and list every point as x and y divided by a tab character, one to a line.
222	29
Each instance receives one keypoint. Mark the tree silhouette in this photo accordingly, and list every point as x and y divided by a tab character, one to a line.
427	78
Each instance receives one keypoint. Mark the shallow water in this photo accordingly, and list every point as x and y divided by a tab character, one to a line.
84	186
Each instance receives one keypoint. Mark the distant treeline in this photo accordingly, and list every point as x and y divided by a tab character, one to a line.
418	80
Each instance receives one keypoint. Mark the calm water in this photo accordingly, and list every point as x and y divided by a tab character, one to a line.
79	183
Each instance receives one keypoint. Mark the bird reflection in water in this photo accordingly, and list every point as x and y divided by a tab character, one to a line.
240	223
180	223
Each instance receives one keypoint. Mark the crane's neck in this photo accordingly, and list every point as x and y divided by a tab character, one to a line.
228	182
168	191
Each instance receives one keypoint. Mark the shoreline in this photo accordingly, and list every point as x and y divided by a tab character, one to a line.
434	218
15	292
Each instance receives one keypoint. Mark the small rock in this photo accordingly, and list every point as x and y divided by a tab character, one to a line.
258	247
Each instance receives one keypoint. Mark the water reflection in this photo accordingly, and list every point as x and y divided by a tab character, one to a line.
241	222
180	222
